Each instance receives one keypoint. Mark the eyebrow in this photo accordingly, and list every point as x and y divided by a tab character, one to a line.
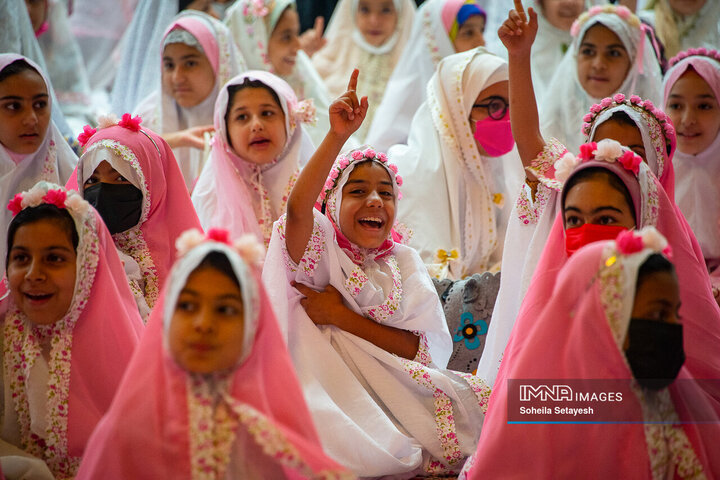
16	97
598	209
185	57
244	107
382	182
702	95
51	247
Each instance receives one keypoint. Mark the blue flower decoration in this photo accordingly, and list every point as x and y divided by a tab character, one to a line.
470	331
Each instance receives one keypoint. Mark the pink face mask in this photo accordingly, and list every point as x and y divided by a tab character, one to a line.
495	136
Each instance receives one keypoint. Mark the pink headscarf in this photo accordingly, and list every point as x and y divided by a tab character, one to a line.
199	30
148	433
242	196
90	348
652	208
574	337
167	210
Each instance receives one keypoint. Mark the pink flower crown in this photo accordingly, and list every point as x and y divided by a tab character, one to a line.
49	193
105	121
256	9
629	242
605	150
355	156
695	52
621	11
247	246
634	102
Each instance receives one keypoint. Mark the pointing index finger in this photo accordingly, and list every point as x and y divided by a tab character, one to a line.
352	84
520	10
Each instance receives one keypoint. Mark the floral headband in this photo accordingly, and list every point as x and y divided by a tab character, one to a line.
256	9
629	242
105	121
247	246
356	156
695	52
44	193
645	107
605	150
621	11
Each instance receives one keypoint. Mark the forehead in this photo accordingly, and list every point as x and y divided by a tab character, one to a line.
475	20
249	97
210	282
42	234
658	286
600	35
289	19
370	172
622	132
376	3
499	89
691	83
179	50
596	190
28	82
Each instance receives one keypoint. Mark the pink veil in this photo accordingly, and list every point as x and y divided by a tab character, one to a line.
100	346
147	434
573	338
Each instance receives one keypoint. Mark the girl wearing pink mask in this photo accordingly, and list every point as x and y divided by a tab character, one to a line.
461	155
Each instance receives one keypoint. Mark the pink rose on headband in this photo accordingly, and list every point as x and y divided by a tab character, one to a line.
369	153
219	235
393	167
587	118
630	161
130	122
399	180
15	205
382	157
634	99
356	155
55	197
606	102
619	98
87	132
628	242
595	10
587	151
623	12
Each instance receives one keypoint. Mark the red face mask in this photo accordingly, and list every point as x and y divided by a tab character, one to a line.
576	238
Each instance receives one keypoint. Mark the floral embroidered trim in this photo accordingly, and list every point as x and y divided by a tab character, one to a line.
22	347
274	443
49	171
313	251
356	281
383	312
529	212
481	389
695	52
444	420
621	11
652	203
429	34
132	242
255	9
542	166
423	354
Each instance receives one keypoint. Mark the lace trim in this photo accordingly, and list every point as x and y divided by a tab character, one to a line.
529	211
479	387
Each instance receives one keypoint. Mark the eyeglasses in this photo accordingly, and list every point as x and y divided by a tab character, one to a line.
496	107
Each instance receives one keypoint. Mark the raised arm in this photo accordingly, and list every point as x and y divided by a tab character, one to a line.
518	35
346	115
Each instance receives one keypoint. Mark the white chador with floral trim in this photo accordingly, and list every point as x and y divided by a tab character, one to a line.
376	413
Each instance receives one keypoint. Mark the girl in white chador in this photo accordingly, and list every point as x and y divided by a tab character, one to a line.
365	328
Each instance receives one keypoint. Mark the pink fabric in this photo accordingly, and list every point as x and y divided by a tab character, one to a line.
571	338
102	344
449	13
169	212
703	68
700	312
146	433
200	31
229	192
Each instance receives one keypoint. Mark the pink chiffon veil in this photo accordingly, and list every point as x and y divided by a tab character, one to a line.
573	338
699	310
146	432
100	346
167	210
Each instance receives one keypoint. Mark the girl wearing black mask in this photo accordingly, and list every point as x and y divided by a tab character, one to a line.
129	174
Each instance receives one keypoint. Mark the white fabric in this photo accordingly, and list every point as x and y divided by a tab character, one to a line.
252	35
566	102
346	49
138	75
699	30
548	50
441	163
372	416
65	67
405	92
162	114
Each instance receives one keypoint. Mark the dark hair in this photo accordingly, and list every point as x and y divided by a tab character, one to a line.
655	263
598	172
219	262
18	66
623	119
247	83
44	211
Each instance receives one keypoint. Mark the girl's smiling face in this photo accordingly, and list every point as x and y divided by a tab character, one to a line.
376	20
187	75
256	125
602	62
207	329
41	270
695	112
24	112
367	212
284	43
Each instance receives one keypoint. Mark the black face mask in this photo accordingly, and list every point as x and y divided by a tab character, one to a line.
119	206
656	352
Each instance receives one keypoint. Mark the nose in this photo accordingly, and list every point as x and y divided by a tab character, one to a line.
177	75
203	321
598	62
31	118
688	116
374	199
35	271
257	124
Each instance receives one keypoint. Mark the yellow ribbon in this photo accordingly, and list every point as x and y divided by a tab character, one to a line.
444	256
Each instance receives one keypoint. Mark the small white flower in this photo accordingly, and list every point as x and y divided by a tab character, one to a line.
653	239
252	251
105	121
34	196
565	166
76	203
188	240
608	150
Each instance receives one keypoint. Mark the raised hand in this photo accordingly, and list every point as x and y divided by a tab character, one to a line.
517	33
312	40
347	112
192	137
